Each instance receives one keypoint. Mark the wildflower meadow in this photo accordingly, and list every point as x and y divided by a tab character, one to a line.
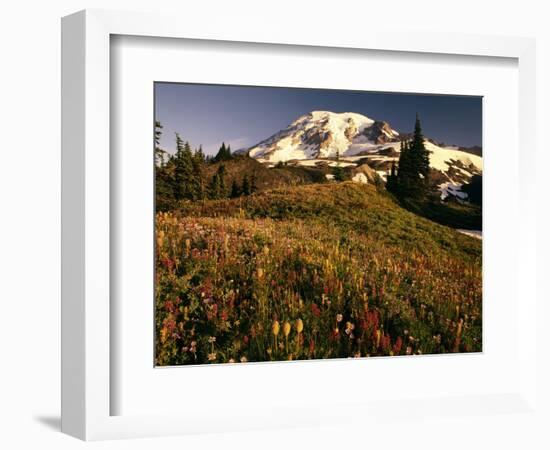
324	270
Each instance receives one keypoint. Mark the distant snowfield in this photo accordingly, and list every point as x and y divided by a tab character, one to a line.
472	233
315	162
441	157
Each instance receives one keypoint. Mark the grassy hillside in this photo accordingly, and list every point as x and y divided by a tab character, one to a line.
450	213
266	178
311	271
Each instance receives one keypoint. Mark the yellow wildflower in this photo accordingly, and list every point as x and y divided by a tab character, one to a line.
286	328
299	325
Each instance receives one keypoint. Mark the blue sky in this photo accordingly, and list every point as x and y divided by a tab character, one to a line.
242	116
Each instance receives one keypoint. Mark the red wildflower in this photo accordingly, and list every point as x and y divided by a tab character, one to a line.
169	306
212	312
170	324
397	346
168	263
386	342
372	319
315	310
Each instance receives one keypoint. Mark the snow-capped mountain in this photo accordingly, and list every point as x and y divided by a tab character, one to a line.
324	134
318	137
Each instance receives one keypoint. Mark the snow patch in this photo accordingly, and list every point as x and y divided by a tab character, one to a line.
473	233
327	162
452	188
360	178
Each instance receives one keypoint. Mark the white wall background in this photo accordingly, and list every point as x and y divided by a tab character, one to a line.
30	194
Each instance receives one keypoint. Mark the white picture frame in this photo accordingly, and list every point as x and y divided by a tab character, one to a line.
87	386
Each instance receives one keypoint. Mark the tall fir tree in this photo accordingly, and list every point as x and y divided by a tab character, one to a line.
217	188
407	173
183	169
164	182
420	155
412	177
198	190
391	178
160	154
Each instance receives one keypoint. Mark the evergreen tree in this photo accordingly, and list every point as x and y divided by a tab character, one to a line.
158	132
164	188
199	153
246	186
164	180
420	155
217	188
220	155
338	172
474	189
223	188
412	177
407	174
235	189
391	180
253	183
160	154
224	153
198	191
183	169
214	187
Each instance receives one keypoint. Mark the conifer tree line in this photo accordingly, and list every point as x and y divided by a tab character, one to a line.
410	178
182	176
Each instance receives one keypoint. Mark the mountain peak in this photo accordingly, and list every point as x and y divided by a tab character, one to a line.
336	117
324	134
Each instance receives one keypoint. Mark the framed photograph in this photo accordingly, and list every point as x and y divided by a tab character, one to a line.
268	231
